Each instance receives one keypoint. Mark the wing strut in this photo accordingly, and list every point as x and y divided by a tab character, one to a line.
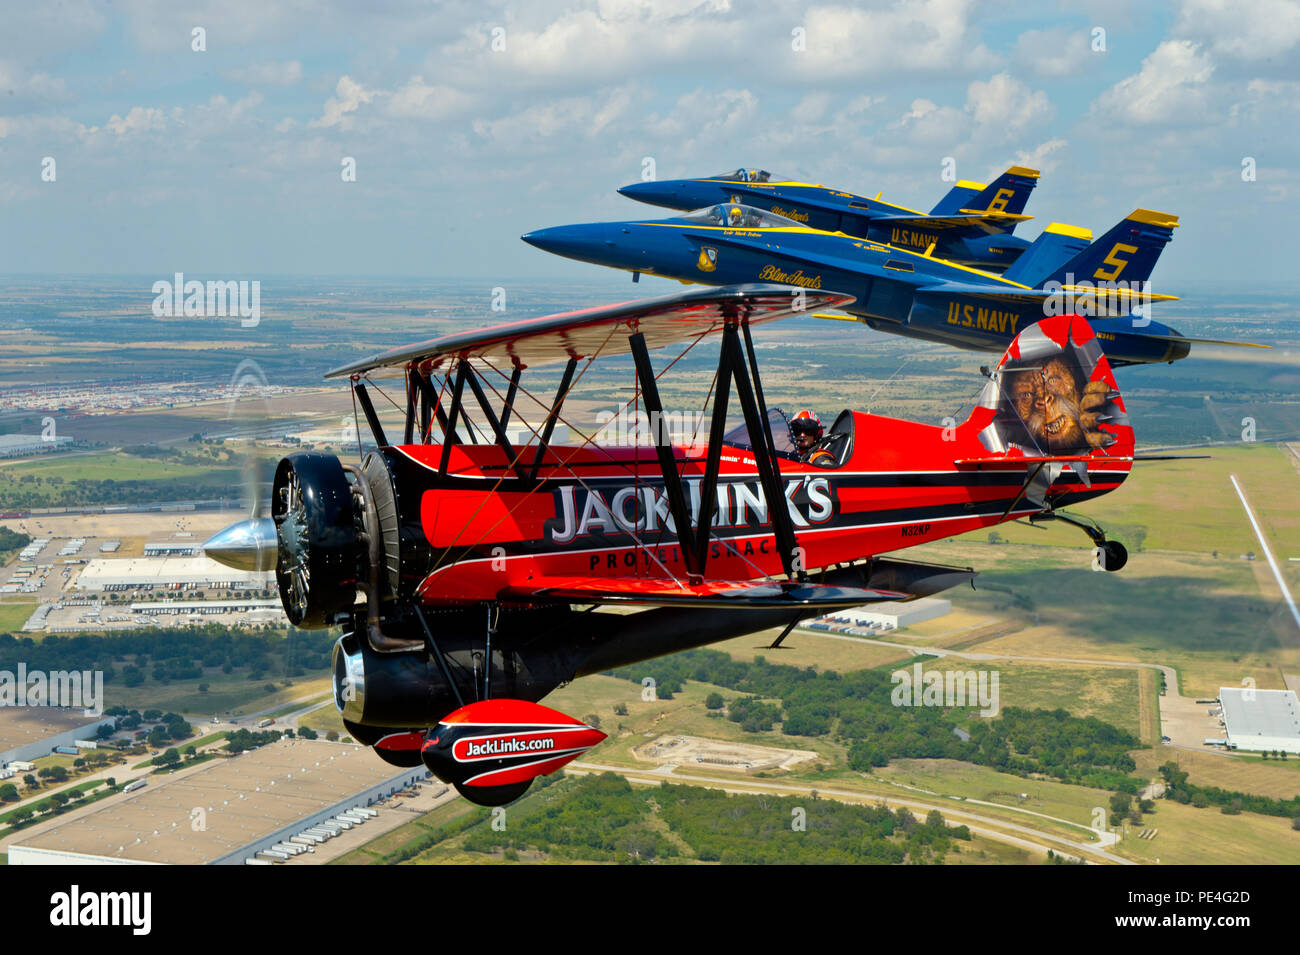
498	428
709	489
769	471
667	460
552	416
459	389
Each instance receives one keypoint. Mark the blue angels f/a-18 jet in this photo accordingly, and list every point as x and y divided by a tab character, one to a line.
903	292
971	225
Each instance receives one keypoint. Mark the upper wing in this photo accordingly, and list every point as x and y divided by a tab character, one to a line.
587	332
720	594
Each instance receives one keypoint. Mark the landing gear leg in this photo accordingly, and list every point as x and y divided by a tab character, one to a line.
1109	555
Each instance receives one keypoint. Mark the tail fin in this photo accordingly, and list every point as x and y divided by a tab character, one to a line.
1007	193
1127	253
1053	396
957	198
1058	244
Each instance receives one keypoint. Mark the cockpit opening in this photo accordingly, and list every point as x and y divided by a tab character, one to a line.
733	215
750	175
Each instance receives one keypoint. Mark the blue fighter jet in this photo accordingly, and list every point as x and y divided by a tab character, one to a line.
903	292
971	225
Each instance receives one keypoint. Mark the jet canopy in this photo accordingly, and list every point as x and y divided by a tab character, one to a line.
733	215
750	175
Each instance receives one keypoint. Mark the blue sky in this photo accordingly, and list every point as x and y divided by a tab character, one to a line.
227	161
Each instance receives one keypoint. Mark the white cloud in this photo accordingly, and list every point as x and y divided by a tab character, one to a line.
419	100
348	98
1254	31
909	36
1058	51
1006	103
1043	157
557	122
1170	89
138	119
18	85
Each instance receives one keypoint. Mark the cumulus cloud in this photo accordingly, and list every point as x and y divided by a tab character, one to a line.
1256	31
1058	51
138	119
417	99
1045	157
1170	89
348	97
909	35
1007	104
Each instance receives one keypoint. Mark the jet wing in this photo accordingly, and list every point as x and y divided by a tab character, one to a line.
586	333
993	221
718	594
1023	295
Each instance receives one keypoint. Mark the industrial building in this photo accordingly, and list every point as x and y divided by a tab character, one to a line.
30	732
885	616
23	445
162	573
1261	720
225	812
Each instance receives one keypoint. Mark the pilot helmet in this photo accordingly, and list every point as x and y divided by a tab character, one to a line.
806	422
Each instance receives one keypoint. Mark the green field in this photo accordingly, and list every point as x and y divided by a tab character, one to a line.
14	615
114	465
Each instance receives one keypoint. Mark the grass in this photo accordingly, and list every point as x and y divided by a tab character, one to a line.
1247	774
1191	836
954	778
113	465
14	615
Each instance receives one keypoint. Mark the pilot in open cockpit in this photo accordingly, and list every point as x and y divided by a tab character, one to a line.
808	433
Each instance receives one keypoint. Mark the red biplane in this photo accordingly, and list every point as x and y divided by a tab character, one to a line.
468	574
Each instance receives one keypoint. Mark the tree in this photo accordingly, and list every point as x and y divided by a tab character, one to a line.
203	687
332	736
714	701
8	793
620	709
30	782
592	720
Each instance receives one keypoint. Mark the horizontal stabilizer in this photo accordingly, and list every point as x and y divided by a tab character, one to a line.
718	594
986	221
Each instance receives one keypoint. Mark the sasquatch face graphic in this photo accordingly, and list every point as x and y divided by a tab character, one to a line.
1049	403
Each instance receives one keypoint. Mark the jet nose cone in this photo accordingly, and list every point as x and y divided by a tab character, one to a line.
655	193
572	241
248	545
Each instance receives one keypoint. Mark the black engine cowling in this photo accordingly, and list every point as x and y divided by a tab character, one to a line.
319	551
